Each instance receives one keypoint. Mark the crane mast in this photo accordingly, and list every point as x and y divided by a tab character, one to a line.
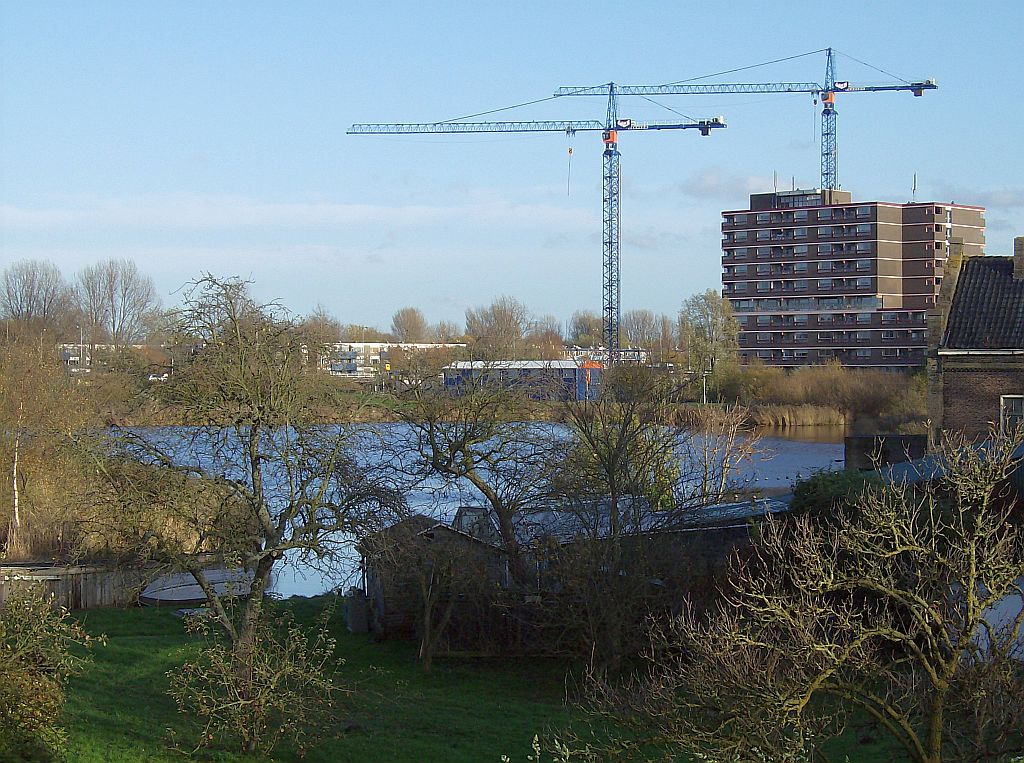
826	91
611	217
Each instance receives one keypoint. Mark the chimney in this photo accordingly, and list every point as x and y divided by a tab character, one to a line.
1018	258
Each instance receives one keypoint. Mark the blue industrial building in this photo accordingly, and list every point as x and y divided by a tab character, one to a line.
543	379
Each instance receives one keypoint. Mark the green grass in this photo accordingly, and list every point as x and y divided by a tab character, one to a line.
468	710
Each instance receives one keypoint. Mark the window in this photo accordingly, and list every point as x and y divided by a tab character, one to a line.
800	249
799	267
824	283
824	267
826	353
763	217
888	336
739	270
863	317
762	252
739	219
824	214
863	336
764	354
863	211
824	248
863	264
889	317
824	336
800	354
740	235
763	270
739	286
863	283
763	235
800	233
863	352
800	336
742	320
863	229
799	320
800	215
826	318
938	210
739	252
863	247
763	336
800	284
890	352
763	286
764	320
1011	412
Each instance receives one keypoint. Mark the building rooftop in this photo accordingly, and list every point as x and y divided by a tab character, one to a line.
987	312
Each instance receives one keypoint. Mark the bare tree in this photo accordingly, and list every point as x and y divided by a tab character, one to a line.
627	475
34	293
544	339
409	325
441	574
891	609
640	328
321	326
586	329
116	296
477	437
254	481
357	332
446	331
498	328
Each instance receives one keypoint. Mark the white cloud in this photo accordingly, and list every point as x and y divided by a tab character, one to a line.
716	183
1000	198
198	212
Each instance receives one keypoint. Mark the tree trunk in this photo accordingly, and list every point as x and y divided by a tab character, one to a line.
14	526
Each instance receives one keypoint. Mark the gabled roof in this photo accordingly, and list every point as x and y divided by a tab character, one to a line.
987	311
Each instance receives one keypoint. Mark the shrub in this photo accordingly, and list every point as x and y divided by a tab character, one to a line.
280	686
36	661
826	494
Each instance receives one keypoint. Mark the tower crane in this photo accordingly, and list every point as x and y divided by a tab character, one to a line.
826	91
609	130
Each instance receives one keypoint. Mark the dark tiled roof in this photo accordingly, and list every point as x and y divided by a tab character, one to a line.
988	307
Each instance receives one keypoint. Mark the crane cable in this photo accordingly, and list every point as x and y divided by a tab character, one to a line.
568	176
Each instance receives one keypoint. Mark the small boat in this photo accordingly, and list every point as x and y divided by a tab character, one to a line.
180	589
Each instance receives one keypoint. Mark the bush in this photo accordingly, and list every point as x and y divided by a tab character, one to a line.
36	662
280	686
829	493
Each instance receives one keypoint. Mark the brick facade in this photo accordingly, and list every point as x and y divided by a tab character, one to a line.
971	391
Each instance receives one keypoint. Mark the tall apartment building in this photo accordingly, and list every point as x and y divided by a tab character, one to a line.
813	276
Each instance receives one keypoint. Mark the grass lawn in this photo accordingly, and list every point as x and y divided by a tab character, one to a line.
466	710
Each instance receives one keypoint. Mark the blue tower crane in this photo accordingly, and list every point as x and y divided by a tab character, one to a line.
826	91
609	130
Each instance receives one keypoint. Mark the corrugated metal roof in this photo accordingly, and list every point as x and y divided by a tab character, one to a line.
988	307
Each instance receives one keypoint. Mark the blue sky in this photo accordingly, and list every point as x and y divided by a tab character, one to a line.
210	136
